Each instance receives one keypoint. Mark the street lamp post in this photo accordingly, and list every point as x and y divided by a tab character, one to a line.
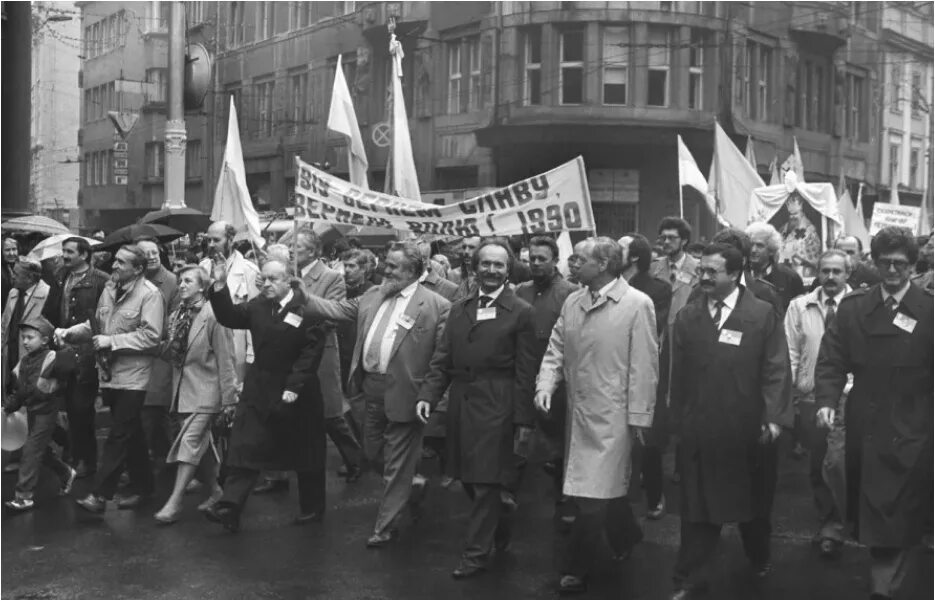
176	135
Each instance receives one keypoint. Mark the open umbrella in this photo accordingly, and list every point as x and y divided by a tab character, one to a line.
189	221
52	246
131	233
38	224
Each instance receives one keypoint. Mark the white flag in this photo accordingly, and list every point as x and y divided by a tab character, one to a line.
774	172
689	174
750	153
232	197
342	119
731	181
565	250
403	168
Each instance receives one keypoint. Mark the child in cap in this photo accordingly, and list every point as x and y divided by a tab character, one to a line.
40	378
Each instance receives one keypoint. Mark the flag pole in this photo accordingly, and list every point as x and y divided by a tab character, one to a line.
681	200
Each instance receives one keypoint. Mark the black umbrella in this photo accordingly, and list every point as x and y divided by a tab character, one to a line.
189	221
132	233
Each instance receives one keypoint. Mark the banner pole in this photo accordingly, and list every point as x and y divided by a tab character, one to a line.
681	201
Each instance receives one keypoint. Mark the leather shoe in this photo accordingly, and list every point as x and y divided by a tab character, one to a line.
658	511
224	515
466	570
129	501
308	518
571	584
92	503
353	474
683	593
83	470
377	541
270	486
501	538
762	570
829	548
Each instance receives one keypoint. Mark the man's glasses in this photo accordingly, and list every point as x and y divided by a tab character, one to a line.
886	264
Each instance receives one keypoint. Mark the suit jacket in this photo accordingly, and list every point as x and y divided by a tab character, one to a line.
81	306
660	291
328	284
491	367
267	433
684	281
207	379
721	395
787	282
412	347
888	419
441	286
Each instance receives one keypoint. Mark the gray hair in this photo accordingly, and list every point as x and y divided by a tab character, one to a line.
833	252
278	251
198	271
412	254
773	239
312	241
603	248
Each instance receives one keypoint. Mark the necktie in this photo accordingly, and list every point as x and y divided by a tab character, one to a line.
673	268
891	304
483	301
372	357
829	312
718	305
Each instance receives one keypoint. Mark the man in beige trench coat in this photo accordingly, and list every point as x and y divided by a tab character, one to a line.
604	347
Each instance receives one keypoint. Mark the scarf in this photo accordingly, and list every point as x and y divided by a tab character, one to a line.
179	326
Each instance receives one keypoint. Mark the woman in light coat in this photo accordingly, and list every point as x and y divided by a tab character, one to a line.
204	383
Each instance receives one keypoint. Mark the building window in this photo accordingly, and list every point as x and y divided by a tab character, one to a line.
532	66
299	14
853	123
571	69
264	108
616	64
896	76
193	158
235	25
895	151
763	77
916	93
155	159
812	105
298	101
157	85
914	153
475	93
194	12
658	72
265	20
454	77
696	70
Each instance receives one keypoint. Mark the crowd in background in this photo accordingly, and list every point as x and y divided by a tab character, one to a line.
235	365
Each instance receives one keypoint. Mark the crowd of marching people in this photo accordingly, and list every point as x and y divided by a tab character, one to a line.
236	364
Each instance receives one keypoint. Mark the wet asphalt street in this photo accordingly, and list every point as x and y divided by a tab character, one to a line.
59	551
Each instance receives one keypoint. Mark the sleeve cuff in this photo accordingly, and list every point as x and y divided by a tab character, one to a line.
641	420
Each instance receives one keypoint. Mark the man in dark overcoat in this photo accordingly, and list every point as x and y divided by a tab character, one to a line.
279	421
487	355
728	397
883	335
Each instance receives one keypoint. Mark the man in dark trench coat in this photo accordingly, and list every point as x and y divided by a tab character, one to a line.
279	422
727	399
488	356
883	335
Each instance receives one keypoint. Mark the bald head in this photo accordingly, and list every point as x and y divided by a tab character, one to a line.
220	239
275	276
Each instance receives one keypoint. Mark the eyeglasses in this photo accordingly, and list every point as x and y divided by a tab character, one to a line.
886	264
669	237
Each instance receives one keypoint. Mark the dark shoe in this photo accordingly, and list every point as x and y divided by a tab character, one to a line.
84	470
225	515
571	584
762	570
552	468
658	511
68	482
342	472
130	501
92	503
466	570
685	593
501	538
270	486
11	467
377	541
508	502
353	474
829	548
308	518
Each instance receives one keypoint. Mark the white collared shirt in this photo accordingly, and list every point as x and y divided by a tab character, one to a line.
285	300
899	293
676	266
822	299
399	302
492	295
422	278
606	288
729	303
